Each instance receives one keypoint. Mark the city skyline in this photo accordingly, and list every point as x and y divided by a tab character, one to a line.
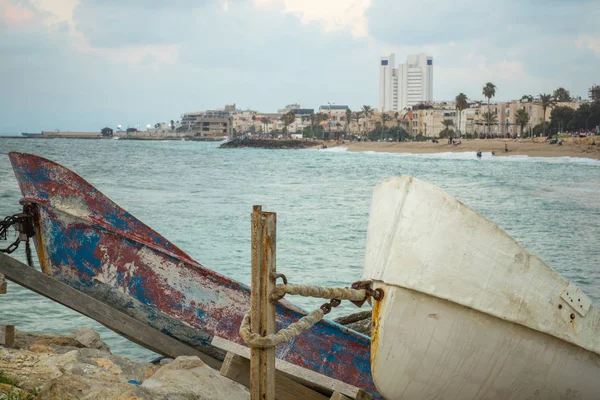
61	68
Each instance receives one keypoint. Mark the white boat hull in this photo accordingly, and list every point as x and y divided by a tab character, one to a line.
436	349
468	313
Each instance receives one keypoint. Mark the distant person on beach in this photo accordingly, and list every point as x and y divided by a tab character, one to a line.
506	147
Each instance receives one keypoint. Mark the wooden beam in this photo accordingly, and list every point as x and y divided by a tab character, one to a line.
237	368
339	396
311	379
126	326
3	285
7	335
262	310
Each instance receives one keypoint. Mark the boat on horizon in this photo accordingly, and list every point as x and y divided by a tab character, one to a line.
27	134
467	311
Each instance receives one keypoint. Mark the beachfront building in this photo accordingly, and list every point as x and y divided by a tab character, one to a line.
302	114
471	119
190	120
336	114
407	84
427	118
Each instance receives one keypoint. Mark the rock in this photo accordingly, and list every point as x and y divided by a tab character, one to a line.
270	143
41	348
90	338
363	326
24	340
68	387
165	361
188	378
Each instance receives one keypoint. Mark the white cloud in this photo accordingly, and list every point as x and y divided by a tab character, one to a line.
589	42
14	15
333	15
56	13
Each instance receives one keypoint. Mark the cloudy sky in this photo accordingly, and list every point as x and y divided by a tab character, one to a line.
85	64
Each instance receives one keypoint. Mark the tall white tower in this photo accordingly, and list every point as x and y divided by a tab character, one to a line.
388	81
408	84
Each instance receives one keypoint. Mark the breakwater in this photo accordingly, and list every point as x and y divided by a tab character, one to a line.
270	143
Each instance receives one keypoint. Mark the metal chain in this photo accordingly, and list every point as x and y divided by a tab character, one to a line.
23	224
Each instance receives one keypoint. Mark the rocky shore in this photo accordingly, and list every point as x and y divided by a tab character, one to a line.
270	144
81	366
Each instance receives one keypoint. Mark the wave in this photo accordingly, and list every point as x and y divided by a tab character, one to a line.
338	149
486	156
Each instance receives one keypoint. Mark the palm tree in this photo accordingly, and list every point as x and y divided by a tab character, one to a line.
526	98
461	104
322	117
367	111
522	118
489	91
489	118
384	119
446	131
357	116
172	124
547	101
348	120
266	121
288	118
305	119
561	94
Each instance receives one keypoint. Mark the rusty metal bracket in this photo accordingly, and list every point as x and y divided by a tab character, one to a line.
376	294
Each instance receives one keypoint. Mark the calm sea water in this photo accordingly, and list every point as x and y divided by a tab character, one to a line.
200	198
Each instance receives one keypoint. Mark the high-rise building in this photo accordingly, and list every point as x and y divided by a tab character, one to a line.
406	85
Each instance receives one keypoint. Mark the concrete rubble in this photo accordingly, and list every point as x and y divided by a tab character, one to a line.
81	366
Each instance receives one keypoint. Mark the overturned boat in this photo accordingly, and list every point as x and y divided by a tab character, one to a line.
468	313
86	241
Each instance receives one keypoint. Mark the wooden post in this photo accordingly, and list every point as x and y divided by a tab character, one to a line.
7	335
2	284
262	311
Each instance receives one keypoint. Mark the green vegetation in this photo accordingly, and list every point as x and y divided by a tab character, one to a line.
527	98
462	102
561	95
547	101
489	119
288	118
522	119
489	91
447	132
13	392
367	111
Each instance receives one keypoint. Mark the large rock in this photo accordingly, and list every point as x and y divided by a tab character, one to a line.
90	338
188	378
73	372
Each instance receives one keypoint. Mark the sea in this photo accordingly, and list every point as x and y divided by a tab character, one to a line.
200	197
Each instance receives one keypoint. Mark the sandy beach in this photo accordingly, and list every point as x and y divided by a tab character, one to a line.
583	147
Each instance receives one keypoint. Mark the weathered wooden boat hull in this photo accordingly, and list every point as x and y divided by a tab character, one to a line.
85	240
468	313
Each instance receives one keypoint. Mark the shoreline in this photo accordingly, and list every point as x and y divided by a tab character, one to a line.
579	148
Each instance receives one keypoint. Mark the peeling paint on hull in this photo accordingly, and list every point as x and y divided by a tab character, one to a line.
90	243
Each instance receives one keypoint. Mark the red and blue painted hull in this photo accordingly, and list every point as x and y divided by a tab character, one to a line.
88	242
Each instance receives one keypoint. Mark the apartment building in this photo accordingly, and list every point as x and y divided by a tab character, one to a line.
407	84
